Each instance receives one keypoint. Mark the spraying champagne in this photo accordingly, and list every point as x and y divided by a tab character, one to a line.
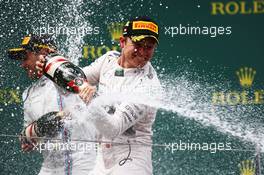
47	125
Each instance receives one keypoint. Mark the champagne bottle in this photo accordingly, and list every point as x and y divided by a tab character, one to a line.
47	125
64	73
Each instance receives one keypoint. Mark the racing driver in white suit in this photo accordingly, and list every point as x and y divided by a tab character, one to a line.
125	122
44	96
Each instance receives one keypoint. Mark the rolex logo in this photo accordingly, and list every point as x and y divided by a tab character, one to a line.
247	167
246	76
246	96
116	30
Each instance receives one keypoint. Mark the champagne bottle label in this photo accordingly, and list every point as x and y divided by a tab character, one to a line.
53	64
64	73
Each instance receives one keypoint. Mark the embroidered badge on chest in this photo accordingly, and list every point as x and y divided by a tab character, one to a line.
119	72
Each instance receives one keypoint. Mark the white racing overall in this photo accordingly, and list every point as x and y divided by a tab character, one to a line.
128	123
43	97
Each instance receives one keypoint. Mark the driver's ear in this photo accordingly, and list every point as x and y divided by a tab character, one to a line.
122	41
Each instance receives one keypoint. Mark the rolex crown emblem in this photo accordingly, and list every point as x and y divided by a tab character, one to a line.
116	30
246	76
247	167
